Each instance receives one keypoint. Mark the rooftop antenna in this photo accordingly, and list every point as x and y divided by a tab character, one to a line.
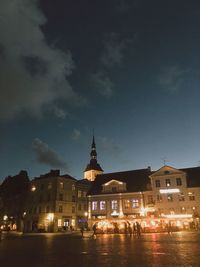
164	160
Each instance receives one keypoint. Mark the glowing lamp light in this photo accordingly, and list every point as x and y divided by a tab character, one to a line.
143	211
86	214
175	216
5	217
50	217
115	213
33	188
169	191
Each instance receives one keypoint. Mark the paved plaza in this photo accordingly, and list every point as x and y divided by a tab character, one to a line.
48	250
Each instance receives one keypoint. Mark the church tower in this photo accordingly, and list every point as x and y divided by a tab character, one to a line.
93	168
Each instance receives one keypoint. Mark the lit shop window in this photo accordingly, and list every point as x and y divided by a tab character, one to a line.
114	204
157	182
102	205
59	222
178	181
94	205
135	203
168	182
127	204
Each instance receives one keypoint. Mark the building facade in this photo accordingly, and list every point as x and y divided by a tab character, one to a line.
54	203
155	199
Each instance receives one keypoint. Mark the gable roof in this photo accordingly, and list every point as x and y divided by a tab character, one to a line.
136	180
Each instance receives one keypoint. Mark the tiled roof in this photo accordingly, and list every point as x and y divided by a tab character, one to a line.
136	180
193	176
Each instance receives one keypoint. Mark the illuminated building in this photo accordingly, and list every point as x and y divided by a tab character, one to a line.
93	168
54	202
153	198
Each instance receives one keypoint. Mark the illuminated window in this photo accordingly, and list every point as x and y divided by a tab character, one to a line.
191	196
127	204
94	205
167	182
157	182
60	208
159	198
178	181
79	194
114	204
181	197
73	187
49	185
59	222
61	185
135	203
170	197
102	205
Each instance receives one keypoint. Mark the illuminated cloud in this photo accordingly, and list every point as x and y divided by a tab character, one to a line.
48	156
32	73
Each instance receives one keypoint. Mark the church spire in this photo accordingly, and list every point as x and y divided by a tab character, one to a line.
93	153
93	168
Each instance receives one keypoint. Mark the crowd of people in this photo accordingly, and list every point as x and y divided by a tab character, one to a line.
129	229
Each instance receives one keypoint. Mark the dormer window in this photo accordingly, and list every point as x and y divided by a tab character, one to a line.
114	186
114	189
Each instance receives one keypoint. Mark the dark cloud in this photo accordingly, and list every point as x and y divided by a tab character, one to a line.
76	134
46	155
32	73
102	83
110	146
114	47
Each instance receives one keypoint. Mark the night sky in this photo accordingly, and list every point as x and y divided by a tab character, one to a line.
129	71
